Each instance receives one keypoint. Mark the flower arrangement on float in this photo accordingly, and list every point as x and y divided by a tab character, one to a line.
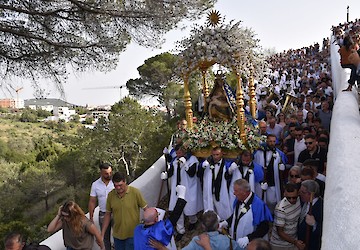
229	45
207	134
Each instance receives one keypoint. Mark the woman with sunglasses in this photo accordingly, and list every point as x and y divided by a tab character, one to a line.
78	231
294	176
281	119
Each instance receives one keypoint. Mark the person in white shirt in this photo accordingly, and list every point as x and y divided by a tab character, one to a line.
274	129
182	171
98	194
215	190
299	144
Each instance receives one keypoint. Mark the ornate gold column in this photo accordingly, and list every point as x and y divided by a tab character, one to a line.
205	87
187	102
252	93
240	108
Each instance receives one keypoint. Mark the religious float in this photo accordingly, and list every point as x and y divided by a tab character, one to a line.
232	49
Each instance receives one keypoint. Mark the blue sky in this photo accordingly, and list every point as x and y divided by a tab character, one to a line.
279	24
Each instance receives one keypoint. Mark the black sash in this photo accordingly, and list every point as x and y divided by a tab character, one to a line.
270	168
216	182
247	175
178	177
238	216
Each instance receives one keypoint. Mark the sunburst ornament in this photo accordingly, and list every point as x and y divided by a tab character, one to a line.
213	18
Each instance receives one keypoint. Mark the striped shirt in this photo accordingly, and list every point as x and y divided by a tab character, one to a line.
286	215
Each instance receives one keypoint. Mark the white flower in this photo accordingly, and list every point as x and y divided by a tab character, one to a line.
243	210
222	43
274	155
251	171
212	166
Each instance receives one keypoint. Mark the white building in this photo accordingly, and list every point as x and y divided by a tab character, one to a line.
63	113
96	114
47	104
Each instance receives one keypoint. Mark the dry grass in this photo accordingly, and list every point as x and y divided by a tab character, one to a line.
10	129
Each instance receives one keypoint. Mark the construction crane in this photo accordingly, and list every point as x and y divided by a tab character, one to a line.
108	87
17	90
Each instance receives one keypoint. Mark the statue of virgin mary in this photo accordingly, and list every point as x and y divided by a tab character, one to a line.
221	101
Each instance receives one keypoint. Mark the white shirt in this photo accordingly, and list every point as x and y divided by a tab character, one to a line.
100	190
321	177
298	147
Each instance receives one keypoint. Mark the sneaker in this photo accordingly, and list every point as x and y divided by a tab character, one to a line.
179	237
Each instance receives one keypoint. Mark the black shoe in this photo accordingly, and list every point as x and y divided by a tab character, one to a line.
179	237
349	88
192	226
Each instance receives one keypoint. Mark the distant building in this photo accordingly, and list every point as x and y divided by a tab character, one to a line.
98	114
63	113
12	103
99	107
47	104
7	103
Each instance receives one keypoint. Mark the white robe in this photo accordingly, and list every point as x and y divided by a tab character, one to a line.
237	175
247	223
193	194
274	194
222	207
245	226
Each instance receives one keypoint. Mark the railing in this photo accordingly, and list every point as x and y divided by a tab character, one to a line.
342	197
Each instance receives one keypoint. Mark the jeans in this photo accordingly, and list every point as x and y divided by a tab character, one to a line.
107	235
127	244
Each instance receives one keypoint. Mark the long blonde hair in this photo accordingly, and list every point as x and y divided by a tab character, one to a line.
76	217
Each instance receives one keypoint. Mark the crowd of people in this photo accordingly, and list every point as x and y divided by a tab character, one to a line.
272	197
275	193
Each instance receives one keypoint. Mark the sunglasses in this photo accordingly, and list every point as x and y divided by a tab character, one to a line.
65	215
294	176
308	143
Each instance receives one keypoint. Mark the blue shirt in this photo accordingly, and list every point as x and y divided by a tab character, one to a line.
217	241
161	231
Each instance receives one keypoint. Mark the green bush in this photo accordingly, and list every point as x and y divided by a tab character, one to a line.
28	115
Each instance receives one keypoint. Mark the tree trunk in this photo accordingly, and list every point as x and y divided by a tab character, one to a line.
168	111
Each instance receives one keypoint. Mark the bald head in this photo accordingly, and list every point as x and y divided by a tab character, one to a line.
258	244
150	216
